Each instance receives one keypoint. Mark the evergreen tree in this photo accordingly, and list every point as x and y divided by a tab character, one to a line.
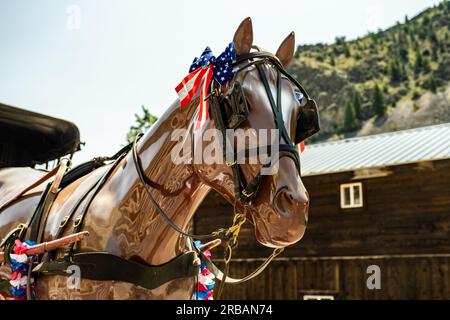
340	40
432	84
426	67
433	37
394	71
332	61
347	52
356	101
397	71
143	123
434	52
403	53
349	117
378	106
418	63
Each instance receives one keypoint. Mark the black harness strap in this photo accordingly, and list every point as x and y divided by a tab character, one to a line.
90	195
247	192
103	266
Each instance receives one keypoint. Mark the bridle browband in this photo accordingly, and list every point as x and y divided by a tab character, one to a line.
247	193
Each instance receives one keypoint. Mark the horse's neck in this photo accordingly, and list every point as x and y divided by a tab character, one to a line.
176	188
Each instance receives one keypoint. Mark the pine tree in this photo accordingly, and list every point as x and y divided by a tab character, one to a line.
356	101
332	60
347	52
432	84
349	117
394	71
378	106
426	66
418	63
143	123
403	53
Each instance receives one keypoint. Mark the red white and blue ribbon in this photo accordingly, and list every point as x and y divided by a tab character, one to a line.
202	71
19	270
205	283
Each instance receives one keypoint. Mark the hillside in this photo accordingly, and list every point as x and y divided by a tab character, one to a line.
389	80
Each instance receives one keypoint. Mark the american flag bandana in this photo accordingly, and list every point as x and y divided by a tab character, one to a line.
202	71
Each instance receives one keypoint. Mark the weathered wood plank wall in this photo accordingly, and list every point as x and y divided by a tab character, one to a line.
416	277
405	213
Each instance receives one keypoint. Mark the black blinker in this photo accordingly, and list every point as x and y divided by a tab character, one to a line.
307	122
235	107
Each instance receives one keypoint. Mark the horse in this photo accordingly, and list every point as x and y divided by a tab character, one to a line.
123	221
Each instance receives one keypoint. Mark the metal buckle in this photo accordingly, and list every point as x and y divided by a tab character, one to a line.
231	164
215	92
64	221
22	227
78	221
246	194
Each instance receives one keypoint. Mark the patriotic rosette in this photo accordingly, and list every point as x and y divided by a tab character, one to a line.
19	270
202	71
205	283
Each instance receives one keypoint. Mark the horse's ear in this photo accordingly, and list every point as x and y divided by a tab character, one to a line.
286	50
243	38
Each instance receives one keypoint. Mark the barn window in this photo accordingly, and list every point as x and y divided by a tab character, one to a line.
351	195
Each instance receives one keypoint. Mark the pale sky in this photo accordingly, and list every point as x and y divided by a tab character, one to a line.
95	62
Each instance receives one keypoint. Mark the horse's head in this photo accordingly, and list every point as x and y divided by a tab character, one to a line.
261	95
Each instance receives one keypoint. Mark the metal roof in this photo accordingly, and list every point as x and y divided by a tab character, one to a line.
387	149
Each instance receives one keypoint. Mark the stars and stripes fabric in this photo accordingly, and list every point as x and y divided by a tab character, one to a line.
203	69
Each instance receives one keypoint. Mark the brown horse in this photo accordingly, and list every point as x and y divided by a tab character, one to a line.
122	221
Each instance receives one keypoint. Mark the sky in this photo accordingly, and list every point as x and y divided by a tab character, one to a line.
96	62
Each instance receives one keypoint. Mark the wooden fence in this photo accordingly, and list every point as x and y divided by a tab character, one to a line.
402	277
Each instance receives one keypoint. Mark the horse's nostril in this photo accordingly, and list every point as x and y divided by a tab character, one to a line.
286	200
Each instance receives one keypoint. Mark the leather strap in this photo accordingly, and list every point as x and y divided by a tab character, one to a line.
41	180
221	275
141	173
92	192
38	224
103	266
247	192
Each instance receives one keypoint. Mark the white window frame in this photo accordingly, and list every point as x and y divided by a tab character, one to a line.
352	187
317	297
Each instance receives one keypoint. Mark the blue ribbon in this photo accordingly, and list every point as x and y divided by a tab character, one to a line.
15	266
222	69
299	96
18	292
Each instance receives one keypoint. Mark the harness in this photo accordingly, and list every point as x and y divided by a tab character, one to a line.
228	112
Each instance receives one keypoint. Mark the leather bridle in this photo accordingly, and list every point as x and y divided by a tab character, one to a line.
246	193
243	192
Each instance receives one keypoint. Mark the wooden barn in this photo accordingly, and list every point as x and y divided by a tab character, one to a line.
378	202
